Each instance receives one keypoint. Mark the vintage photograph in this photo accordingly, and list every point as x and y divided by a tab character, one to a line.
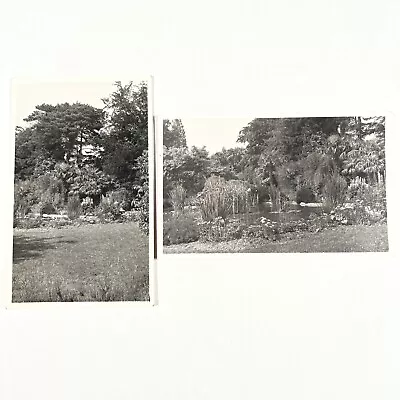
81	192
274	185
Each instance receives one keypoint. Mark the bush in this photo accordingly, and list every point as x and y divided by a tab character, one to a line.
237	193
358	213
221	230
108	209
177	198
305	194
334	190
26	195
46	208
214	199
357	189
27	223
52	190
180	228
74	208
142	201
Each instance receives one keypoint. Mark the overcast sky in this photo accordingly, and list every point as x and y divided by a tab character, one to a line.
214	133
27	95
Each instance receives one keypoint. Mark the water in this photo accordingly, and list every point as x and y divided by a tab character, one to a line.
293	212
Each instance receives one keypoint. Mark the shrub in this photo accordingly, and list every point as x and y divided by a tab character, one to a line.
180	228
356	189
46	208
334	190
26	195
305	194
219	230
74	208
142	201
237	193
358	213
87	205
214	199
52	190
27	223
108	209
177	198
375	197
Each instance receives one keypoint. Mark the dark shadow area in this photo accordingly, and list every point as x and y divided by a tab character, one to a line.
25	247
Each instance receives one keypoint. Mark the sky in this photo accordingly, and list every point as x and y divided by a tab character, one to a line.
214	133
27	94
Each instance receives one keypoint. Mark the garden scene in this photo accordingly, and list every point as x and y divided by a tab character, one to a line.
286	185
81	199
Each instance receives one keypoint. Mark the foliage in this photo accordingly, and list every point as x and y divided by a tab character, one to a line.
125	132
52	190
357	213
305	194
27	223
74	208
26	195
61	132
219	230
70	155
334	190
189	168
174	134
214	199
88	181
364	158
180	228
178	198
142	198
109	208
228	163
238	198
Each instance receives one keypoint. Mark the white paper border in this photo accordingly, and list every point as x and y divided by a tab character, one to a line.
6	285
390	132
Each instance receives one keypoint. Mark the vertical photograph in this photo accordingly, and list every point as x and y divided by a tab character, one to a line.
274	185
81	192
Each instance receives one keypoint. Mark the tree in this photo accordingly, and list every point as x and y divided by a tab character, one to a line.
27	153
125	134
228	163
187	168
174	133
62	132
142	200
275	145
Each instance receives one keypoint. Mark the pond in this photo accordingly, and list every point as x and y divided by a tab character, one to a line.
293	212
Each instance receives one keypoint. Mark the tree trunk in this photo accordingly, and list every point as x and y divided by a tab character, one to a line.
359	127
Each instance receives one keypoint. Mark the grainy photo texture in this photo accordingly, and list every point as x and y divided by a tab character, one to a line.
81	192
274	185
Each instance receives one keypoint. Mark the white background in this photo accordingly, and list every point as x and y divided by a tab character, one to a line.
272	326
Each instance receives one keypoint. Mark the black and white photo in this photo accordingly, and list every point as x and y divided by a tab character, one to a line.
274	185
81	191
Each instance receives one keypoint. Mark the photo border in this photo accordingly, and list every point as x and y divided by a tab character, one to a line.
390	131
6	284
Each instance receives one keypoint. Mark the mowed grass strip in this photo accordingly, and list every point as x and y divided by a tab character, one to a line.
355	238
107	262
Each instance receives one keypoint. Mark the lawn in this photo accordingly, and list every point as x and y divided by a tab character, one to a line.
102	262
355	238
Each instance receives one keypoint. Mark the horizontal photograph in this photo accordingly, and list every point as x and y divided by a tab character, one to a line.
81	192
274	185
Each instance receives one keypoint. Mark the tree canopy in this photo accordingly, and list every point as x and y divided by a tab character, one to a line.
174	133
89	150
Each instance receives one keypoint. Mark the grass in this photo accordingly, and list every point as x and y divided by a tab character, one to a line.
355	238
107	262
